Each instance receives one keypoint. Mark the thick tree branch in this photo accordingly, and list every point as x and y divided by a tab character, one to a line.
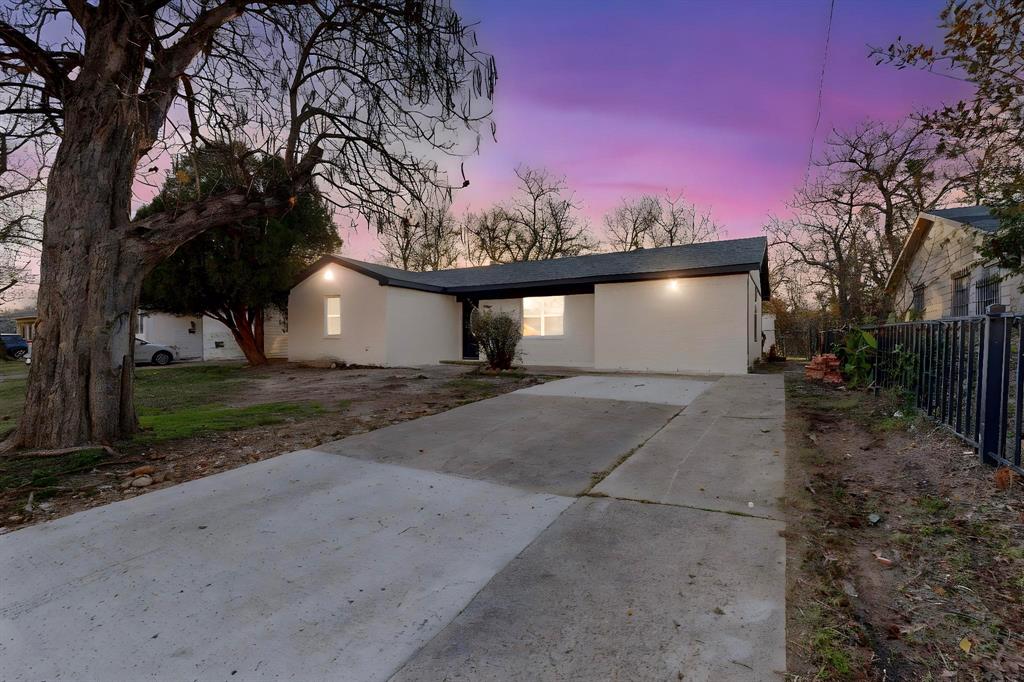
34	57
169	65
158	235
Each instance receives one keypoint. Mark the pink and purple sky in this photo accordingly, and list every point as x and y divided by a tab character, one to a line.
715	98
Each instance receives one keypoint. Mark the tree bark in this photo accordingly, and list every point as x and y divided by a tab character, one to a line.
246	326
94	257
80	381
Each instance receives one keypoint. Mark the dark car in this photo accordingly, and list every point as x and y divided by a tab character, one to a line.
16	346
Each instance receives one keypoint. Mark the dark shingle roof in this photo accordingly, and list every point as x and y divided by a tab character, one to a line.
710	258
978	217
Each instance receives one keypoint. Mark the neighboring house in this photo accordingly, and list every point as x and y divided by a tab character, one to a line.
25	324
694	308
768	320
204	338
194	338
939	273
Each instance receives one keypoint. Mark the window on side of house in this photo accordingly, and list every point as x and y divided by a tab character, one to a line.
987	291
961	294
917	305
544	316
332	315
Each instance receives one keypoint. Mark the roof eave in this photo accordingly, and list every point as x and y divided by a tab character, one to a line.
384	280
609	279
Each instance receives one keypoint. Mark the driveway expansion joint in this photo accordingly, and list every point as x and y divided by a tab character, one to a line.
606	496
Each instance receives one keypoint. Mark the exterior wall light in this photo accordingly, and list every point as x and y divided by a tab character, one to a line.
673	284
329	274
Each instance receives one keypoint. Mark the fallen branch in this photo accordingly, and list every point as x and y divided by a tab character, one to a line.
63	451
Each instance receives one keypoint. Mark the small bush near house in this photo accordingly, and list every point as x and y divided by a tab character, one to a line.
498	335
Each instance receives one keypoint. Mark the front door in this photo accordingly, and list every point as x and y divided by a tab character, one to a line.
470	348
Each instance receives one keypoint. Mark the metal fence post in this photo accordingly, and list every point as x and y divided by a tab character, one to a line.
991	392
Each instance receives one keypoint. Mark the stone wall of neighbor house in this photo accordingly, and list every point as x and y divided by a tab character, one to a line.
422	328
574	348
948	248
363	337
689	325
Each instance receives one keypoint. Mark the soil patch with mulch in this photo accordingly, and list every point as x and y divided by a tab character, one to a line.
905	553
199	420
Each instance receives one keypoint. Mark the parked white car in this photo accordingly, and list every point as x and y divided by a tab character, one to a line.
153	353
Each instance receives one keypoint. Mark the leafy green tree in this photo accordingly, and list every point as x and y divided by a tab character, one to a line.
983	44
235	272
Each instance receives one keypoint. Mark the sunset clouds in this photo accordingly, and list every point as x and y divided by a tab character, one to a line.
716	99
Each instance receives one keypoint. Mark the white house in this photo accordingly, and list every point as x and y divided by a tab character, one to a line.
204	338
939	273
768	321
694	308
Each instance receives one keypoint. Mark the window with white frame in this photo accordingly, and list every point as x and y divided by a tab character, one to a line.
332	315
544	316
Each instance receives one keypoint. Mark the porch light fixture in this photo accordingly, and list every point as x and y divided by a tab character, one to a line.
673	284
329	274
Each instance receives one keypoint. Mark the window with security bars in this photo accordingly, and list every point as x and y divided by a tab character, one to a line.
917	305
961	294
987	292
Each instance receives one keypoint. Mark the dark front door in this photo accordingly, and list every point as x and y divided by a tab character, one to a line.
470	349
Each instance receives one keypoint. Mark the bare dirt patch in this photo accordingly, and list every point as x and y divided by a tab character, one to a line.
234	417
906	556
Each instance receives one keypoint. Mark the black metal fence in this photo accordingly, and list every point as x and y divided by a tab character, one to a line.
804	341
967	373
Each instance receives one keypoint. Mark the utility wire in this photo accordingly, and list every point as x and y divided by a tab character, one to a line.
821	87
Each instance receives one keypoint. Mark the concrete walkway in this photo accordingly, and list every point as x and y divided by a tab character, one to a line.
449	547
724	453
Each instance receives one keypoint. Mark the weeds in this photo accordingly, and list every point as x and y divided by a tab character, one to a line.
946	603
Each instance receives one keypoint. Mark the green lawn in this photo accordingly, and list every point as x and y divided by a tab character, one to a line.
168	424
174	402
12	393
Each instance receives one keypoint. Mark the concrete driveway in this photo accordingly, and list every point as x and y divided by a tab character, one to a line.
590	528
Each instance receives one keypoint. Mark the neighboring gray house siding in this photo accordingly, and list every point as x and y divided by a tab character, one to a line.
945	243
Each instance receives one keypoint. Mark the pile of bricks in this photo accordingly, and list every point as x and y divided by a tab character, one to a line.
824	368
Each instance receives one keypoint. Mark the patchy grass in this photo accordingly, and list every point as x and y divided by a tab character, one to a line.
11	399
904	557
13	368
186	422
479	385
170	388
27	483
199	420
13	377
43	473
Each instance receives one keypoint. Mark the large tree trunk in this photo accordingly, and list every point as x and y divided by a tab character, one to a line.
80	382
94	257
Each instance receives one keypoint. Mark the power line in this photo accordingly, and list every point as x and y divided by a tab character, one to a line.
821	87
